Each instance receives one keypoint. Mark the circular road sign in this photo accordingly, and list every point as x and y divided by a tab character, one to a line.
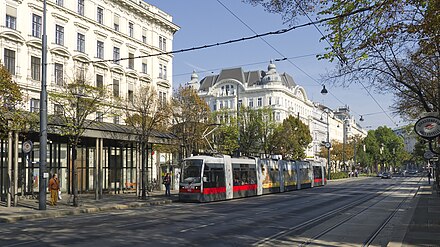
328	145
27	147
428	127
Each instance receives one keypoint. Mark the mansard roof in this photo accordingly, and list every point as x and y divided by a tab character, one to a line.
250	78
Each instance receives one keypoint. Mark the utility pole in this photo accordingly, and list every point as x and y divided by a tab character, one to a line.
43	119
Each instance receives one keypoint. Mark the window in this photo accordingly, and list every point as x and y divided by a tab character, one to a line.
116	55
162	43
36	26
130	96
35	105
59	35
130	60
116	23
144	67
81	42
100	49
59	74
239	103
116	119
99	116
11	17
130	29
100	15
115	88
99	81
164	76
251	103
9	58
58	109
259	102
144	36
162	97
81	7
270	100
60	2
35	67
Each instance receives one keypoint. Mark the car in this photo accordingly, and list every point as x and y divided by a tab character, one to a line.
385	175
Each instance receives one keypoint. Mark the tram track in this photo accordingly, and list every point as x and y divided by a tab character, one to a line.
319	219
316	222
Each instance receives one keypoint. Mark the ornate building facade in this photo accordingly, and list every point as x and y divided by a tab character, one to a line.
111	43
234	87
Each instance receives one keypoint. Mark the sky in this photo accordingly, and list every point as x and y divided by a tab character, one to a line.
205	22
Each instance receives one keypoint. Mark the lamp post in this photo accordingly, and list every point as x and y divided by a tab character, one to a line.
327	144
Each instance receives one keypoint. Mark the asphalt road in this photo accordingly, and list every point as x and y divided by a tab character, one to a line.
354	212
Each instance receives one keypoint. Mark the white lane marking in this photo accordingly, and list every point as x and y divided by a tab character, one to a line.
197	227
22	243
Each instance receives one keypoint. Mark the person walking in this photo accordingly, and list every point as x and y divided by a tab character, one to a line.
429	177
54	187
167	183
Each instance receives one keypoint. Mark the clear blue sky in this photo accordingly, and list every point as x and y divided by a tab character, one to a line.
208	21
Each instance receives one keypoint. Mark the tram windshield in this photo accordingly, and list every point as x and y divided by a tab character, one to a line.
192	170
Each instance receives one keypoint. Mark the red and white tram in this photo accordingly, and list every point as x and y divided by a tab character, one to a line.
213	178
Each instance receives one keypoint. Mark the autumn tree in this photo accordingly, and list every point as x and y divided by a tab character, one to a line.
78	105
146	112
191	116
12	117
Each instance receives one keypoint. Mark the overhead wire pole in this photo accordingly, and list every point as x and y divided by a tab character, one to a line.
43	119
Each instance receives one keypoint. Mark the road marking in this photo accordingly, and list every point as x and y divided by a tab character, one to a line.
22	243
197	227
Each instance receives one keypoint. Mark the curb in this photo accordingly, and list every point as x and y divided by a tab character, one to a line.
77	211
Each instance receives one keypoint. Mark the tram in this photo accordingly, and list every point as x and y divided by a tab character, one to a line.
214	178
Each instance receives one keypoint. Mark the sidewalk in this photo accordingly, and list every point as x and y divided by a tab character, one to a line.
424	228
28	208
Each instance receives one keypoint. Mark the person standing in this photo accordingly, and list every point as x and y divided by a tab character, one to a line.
167	183
54	187
429	177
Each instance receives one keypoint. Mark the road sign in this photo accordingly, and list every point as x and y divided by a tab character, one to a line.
428	127
27	147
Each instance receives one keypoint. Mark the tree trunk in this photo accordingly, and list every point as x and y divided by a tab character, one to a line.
75	177
144	171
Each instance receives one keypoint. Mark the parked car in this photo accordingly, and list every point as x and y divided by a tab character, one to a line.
386	175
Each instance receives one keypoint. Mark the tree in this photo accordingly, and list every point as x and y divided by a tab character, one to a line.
293	137
145	112
191	116
391	45
226	136
77	104
11	99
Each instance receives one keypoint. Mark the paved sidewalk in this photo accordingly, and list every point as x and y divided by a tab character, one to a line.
28	208
424	228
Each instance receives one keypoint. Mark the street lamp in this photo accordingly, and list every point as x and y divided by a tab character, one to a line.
327	144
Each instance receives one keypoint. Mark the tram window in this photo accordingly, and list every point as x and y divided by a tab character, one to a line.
214	175
243	174
192	169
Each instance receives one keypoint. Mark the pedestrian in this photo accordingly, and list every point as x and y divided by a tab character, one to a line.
167	183
429	177
54	187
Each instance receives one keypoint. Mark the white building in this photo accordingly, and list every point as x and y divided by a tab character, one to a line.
256	89
115	43
84	31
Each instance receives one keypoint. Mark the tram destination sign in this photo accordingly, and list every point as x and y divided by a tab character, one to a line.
428	127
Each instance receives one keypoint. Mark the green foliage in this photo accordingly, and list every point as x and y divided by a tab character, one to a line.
292	137
338	175
226	135
392	45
